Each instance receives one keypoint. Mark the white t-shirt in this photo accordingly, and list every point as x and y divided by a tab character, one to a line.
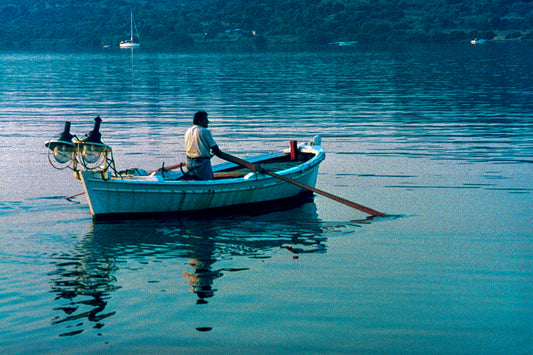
198	142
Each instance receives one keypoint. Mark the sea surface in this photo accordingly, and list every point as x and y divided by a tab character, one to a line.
440	137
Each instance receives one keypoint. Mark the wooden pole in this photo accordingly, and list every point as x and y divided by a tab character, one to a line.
255	168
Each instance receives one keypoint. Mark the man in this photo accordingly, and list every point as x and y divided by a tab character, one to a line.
200	147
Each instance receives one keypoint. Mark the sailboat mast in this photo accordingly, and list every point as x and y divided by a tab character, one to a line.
131	26
130	43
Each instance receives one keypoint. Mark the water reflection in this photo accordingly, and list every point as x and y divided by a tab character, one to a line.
85	280
82	287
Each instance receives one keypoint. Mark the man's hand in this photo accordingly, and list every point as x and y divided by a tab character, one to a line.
260	169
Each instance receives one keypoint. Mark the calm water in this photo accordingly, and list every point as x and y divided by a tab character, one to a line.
439	136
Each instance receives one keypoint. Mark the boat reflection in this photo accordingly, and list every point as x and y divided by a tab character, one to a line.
85	280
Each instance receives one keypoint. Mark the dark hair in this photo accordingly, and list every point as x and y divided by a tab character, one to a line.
199	116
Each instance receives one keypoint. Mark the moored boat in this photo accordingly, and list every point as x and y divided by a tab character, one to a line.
343	43
131	43
243	184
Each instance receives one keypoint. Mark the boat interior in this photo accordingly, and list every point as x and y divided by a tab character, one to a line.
283	162
271	162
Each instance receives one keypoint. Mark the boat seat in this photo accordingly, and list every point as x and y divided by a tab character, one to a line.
231	174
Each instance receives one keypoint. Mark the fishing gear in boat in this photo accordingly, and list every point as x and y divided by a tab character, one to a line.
89	153
62	150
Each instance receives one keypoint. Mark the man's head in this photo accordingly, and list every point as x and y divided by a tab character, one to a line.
200	119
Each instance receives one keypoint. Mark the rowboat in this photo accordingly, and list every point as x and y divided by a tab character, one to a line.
276	179
135	191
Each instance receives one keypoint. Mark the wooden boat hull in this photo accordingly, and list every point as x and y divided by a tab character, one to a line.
116	196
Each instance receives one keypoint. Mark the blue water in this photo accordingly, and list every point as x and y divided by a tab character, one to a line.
439	136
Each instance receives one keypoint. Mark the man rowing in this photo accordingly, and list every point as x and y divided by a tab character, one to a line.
200	148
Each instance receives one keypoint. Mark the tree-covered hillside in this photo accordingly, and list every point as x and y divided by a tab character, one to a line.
169	24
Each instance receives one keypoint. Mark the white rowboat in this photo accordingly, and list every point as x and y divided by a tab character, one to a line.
276	179
234	187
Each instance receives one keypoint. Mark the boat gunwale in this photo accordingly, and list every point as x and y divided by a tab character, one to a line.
194	189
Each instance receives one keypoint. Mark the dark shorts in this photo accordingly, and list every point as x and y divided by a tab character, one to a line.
200	168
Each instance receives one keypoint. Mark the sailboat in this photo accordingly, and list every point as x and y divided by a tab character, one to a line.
129	43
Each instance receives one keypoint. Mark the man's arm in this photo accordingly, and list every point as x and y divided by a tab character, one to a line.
239	161
216	151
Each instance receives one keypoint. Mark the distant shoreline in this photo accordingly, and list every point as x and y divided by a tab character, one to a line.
258	42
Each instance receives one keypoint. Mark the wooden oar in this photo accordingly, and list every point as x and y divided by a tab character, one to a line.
167	168
258	169
72	196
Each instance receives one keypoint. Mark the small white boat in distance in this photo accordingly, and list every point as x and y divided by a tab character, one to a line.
343	43
130	43
478	41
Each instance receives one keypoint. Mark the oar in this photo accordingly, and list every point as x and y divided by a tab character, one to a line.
167	168
72	196
255	168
